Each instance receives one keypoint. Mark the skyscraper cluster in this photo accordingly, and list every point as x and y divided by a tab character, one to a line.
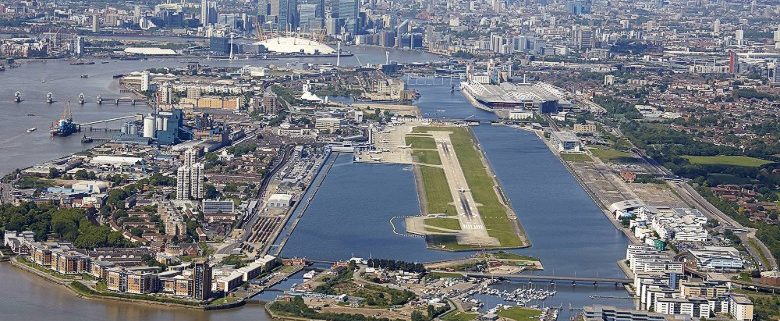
208	13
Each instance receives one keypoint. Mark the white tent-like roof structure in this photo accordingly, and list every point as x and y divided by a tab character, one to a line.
296	45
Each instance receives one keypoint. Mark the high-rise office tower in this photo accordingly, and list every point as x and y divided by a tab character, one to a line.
204	13
579	7
321	9
286	12
308	17
348	12
95	23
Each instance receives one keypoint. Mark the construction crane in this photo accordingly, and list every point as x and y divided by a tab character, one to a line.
318	34
259	30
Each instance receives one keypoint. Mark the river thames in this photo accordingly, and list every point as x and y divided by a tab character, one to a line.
34	79
351	212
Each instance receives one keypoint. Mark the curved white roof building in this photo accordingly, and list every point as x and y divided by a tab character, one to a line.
151	51
296	45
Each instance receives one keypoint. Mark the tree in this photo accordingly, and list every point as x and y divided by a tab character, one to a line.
211	192
418	316
136	231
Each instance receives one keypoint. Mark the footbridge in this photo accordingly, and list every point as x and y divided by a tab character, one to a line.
551	278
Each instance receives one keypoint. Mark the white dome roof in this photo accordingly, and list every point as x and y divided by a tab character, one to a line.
296	45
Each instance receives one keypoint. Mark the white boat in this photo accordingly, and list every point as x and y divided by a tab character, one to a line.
32	129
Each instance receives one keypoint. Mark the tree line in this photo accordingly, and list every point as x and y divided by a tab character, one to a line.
395	265
68	224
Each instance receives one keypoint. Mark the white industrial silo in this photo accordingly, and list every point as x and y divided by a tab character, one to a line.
149	127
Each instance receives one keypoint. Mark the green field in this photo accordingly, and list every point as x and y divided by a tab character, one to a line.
481	185
744	161
508	256
520	314
420	142
441	222
611	155
438	198
425	156
460	316
576	157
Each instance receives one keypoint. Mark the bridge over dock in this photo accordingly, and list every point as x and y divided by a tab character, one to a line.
551	278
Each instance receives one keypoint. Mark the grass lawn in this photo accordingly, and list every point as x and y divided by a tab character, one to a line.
481	184
744	161
447	242
437	191
225	300
420	142
509	256
427	156
445	223
460	316
576	157
374	295
611	155
436	230
520	314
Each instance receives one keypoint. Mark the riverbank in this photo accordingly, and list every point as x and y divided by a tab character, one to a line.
81	290
316	182
580	180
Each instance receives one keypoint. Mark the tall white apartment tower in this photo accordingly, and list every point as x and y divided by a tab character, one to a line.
190	157
196	181
183	178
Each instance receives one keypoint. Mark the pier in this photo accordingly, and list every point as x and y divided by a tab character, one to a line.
327	164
